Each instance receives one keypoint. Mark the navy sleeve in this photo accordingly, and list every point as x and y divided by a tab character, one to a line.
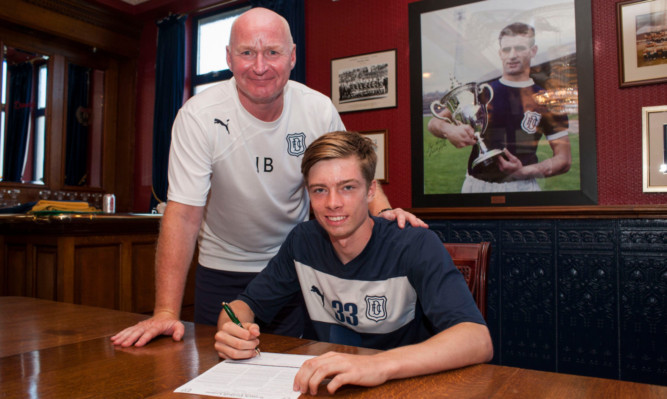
441	288
274	286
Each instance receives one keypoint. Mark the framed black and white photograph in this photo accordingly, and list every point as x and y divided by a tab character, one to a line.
364	82
654	148
642	41
379	138
502	103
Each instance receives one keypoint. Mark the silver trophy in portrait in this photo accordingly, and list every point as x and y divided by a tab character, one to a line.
468	107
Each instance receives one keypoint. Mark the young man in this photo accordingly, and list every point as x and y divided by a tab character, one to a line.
365	281
234	183
516	123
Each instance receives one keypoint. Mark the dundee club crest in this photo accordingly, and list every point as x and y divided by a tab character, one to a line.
530	121
376	307
296	144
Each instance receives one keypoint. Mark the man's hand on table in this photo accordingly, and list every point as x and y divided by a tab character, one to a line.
162	323
342	368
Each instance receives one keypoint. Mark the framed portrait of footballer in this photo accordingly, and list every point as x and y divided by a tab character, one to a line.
502	103
642	41
364	82
654	148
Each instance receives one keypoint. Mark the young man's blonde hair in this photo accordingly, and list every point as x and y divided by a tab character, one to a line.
340	144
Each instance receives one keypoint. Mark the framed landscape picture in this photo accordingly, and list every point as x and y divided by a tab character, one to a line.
642	41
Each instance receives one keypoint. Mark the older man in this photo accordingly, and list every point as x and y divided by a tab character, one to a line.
234	179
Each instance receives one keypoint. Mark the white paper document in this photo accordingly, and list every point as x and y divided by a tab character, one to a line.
267	376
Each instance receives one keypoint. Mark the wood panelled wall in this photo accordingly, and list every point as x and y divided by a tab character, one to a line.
574	295
97	261
81	32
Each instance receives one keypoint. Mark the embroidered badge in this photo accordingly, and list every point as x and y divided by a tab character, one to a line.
296	144
530	121
376	307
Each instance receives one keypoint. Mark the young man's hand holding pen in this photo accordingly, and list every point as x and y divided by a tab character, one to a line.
237	336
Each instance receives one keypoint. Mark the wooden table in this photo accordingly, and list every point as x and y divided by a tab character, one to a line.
61	350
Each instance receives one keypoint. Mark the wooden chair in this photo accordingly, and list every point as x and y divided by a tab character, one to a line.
472	260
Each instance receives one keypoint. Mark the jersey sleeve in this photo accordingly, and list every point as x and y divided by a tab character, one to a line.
274	286
336	122
190	160
441	288
555	125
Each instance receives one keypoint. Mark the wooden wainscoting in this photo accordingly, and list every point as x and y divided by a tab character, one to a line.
103	261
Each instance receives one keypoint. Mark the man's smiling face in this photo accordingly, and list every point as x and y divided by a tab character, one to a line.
339	195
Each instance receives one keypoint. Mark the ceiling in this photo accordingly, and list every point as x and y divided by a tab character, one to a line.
133	7
134	2
153	7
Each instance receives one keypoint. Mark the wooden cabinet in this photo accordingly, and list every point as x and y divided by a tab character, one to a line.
86	34
97	260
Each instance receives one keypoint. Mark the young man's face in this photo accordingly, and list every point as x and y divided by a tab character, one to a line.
261	58
516	52
339	196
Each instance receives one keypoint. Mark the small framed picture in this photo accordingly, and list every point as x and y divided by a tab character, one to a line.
379	138
654	148
364	82
642	41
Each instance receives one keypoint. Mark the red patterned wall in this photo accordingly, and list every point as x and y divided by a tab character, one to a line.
348	27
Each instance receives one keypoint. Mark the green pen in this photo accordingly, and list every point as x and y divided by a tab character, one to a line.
234	319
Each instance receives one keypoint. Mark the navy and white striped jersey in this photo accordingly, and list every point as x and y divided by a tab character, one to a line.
517	121
402	289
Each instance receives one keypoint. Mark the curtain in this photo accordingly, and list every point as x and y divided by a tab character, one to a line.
78	114
169	83
293	12
18	120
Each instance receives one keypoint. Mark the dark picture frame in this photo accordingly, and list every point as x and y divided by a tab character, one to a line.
364	82
456	43
379	138
642	42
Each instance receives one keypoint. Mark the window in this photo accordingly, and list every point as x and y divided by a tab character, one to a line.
30	99
209	62
3	104
40	127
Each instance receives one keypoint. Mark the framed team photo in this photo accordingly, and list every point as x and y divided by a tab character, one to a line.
364	82
502	103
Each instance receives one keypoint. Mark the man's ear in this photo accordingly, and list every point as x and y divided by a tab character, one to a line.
228	56
372	189
292	60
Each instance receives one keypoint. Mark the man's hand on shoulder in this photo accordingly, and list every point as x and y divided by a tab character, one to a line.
401	216
162	323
